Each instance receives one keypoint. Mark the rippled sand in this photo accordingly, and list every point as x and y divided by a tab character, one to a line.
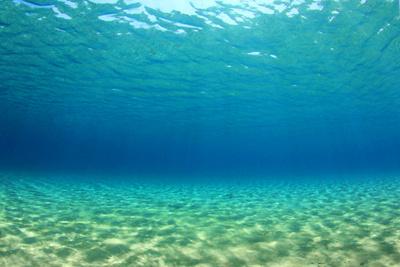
65	222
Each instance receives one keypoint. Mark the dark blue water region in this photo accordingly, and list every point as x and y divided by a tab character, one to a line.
169	154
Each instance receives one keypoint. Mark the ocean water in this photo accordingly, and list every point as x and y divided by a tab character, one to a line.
53	221
199	133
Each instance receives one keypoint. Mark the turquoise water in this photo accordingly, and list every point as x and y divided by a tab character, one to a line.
82	221
254	85
199	133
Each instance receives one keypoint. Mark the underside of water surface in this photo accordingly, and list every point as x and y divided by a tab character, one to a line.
199	133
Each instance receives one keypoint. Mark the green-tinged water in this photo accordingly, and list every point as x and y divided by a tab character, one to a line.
53	221
186	133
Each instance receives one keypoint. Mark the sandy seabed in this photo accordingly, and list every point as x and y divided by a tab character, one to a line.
112	222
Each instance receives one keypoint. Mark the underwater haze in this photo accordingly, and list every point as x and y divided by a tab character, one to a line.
199	133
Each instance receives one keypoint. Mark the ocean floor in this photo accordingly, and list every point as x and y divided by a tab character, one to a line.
47	221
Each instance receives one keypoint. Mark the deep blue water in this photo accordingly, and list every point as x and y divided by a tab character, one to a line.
199	133
283	87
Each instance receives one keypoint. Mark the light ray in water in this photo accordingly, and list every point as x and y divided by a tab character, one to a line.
199	133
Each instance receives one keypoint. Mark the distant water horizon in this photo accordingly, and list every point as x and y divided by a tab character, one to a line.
199	133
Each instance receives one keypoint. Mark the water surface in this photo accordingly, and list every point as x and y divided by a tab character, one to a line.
199	133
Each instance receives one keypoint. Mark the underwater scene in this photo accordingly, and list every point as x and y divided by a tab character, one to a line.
200	133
